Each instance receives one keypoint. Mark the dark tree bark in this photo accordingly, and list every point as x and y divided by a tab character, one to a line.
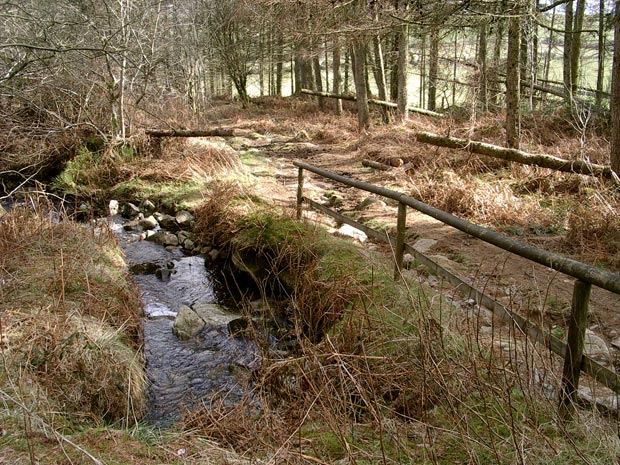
482	67
279	65
566	57
403	62
358	54
337	78
318	79
379	73
600	73
575	48
615	95
512	82
433	69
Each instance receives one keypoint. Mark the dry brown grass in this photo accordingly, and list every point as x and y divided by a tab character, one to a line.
70	325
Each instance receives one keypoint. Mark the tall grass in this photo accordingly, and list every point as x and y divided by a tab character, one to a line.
70	332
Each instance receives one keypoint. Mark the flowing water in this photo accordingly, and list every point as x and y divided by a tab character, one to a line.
184	373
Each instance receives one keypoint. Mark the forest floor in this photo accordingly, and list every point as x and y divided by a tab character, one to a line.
570	214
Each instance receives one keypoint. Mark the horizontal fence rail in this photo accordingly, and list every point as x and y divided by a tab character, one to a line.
572	351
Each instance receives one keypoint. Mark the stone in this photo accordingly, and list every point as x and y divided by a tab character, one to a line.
333	199
213	315
148	207
149	222
369	202
133	225
183	236
164	238
396	162
188	244
157	311
164	273
168	222
408	261
113	207
185	219
187	324
349	231
616	343
146	234
596	348
130	210
423	244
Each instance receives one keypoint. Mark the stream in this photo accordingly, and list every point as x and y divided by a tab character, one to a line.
182	374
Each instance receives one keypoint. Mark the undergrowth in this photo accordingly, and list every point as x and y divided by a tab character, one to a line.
70	332
383	371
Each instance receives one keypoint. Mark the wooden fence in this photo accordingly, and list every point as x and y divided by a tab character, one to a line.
586	275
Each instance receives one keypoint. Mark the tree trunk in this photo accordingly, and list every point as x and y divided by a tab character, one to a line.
394	67
422	91
497	56
615	95
403	61
549	49
361	91
575	48
347	67
432	69
512	82
297	72
379	72
336	74
482	67
566	59
600	73
279	65
318	80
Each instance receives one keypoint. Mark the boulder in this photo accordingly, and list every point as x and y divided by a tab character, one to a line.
187	324
370	202
350	231
183	236
164	238
130	210
168	222
113	207
596	348
148	207
149	222
185	219
213	315
423	244
133	225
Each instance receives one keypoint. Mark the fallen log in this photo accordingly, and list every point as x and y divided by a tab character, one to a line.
217	132
373	101
518	156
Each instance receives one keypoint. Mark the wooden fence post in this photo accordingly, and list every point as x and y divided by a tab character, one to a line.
574	349
400	239
300	192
